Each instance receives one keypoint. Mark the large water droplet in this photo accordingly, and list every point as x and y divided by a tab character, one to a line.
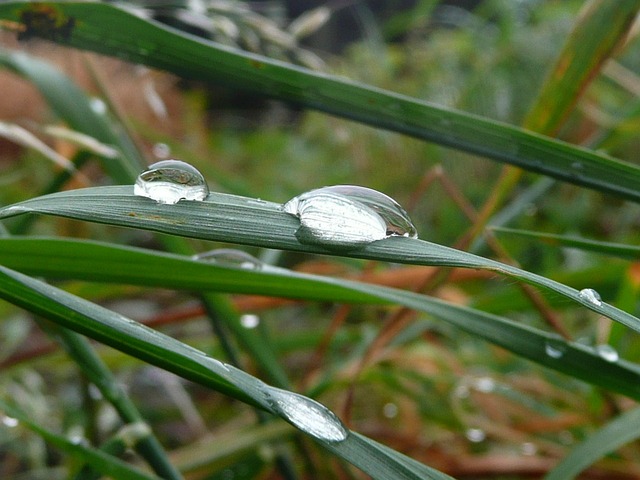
348	215
307	414
170	181
591	296
230	258
608	353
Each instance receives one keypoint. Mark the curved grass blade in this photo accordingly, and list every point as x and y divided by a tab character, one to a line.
113	31
178	272
629	252
71	104
235	219
100	461
623	429
158	349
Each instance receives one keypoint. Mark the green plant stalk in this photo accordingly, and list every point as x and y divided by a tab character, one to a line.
99	460
85	357
112	31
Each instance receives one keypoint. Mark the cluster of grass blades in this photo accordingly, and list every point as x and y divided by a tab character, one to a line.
44	275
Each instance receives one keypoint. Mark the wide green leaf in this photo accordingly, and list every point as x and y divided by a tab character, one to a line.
241	220
111	30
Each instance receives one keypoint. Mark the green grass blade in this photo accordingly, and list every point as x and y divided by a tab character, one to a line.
601	27
179	272
100	461
153	347
112	31
629	252
623	429
234	219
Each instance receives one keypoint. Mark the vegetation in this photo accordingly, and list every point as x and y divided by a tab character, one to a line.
501	344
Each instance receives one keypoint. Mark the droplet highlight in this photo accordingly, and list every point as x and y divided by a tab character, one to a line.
249	320
308	415
348	216
9	422
591	296
230	258
555	348
608	353
475	435
170	181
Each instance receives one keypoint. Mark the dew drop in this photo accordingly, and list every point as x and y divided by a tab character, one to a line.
475	435
170	181
484	384
9	422
555	348
249	320
308	415
230	258
98	106
591	296
608	353
348	215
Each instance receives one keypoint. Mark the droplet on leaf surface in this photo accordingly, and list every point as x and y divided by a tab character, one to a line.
608	353
170	181
308	415
348	216
231	258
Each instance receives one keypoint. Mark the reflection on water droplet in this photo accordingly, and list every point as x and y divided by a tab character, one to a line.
77	439
475	435
249	320
9	421
170	181
608	353
307	414
230	258
484	384
390	410
161	151
591	296
347	215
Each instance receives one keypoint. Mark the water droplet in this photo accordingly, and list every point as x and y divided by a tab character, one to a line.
484	384
249	320
528	449
307	414
347	215
555	348
230	258
591	296
608	353
9	422
475	435
98	106
161	151
390	410
170	181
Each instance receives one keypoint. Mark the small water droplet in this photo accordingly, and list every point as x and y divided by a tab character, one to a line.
555	348
77	439
348	215
170	181
307	414
230	258
9	422
529	449
249	320
591	296
484	384
390	410
475	435
608	353
98	106
161	151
